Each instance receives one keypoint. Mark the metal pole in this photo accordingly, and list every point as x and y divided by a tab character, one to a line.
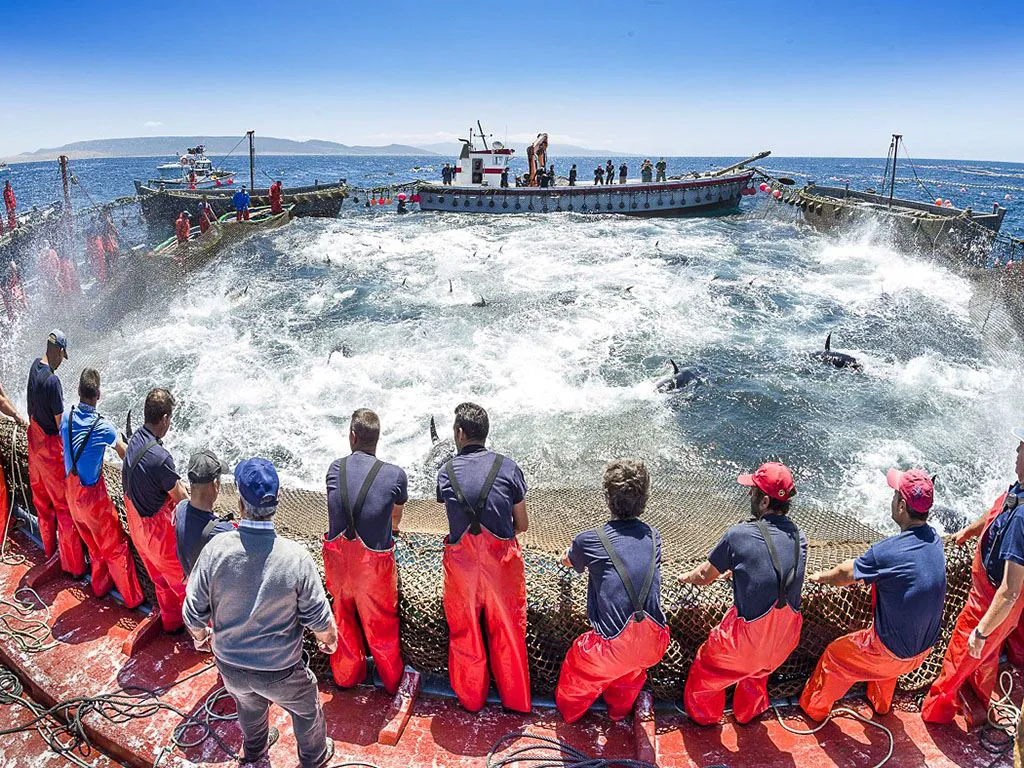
68	224
895	151
252	160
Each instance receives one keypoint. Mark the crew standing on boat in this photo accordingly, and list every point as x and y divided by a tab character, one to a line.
623	172
206	216
907	574
241	202
152	489
767	557
10	203
628	634
365	497
484	494
646	172
609	172
993	608
182	227
194	522
446	175
46	457
275	198
86	436
572	175
660	167
504	177
598	175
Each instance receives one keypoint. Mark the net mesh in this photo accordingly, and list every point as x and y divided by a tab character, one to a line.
691	516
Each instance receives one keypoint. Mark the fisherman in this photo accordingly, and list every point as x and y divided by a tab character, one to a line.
275	198
660	166
572	175
598	175
86	436
13	292
767	557
907	573
446	175
60	271
623	171
98	256
609	172
194	521
629	633
365	497
46	457
484	494
10	203
552	178
646	172
504	176
206	216
542	178
152	489
250	596
241	202
182	227
993	606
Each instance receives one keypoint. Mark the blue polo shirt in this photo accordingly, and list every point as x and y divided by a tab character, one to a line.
743	550
45	396
153	477
373	524
1009	527
90	463
472	466
609	608
908	572
189	524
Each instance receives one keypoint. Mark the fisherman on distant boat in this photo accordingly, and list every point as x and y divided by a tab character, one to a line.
629	633
646	171
504	177
543	179
766	557
446	175
241	202
609	172
907	574
598	175
182	227
552	178
660	166
484	494
152	489
86	436
365	497
10	204
46	458
195	524
623	172
993	610
275	198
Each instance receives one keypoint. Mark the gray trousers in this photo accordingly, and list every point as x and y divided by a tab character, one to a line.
295	691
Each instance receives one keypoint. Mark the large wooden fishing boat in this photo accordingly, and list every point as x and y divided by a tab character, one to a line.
481	185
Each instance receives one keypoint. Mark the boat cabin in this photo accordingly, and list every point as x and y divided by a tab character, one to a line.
481	167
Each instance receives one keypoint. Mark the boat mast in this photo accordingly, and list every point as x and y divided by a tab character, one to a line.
68	223
482	136
252	160
895	151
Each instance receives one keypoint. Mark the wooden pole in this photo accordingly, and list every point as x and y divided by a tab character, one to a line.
895	151
68	223
252	161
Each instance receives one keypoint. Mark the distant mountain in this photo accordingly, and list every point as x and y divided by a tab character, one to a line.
165	146
453	148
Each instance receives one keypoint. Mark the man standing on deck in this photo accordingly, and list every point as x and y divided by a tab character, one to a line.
484	494
623	171
10	203
572	175
206	217
46	458
660	167
250	596
609	172
182	227
907	573
194	521
275	198
993	606
152	488
767	557
365	497
598	175
629	634
86	436
241	202
446	175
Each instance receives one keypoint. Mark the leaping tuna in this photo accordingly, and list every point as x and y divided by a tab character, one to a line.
440	450
681	378
836	359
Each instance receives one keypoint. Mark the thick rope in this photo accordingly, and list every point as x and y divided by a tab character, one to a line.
835	713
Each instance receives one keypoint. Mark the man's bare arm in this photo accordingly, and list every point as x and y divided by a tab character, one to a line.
520	519
840	576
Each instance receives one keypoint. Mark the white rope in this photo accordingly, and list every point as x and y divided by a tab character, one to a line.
836	713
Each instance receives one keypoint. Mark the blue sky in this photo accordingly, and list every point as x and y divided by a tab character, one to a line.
650	76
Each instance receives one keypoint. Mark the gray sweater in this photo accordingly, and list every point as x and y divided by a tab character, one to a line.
259	590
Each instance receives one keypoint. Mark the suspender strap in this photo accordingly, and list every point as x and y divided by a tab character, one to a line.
202	541
353	512
475	510
639	601
76	455
785	581
134	464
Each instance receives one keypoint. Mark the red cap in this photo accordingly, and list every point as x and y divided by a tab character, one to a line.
915	486
773	478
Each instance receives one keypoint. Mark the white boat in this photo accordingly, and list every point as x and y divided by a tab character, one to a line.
192	170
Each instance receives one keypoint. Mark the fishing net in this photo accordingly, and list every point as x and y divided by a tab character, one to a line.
690	513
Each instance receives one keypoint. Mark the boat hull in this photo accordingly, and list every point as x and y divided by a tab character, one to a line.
318	200
674	198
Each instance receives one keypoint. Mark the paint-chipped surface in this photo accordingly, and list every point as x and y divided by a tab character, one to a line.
88	661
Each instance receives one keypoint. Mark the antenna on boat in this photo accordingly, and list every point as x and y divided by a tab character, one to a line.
895	151
482	136
252	160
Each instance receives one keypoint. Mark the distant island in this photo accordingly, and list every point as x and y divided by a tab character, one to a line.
171	146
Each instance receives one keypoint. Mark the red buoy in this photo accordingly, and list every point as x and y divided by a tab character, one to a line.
763	187
777	194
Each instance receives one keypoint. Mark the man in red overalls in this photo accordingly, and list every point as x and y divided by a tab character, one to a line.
182	227
152	488
46	458
13	292
767	557
206	216
86	436
7	409
629	634
275	197
484	494
364	507
10	203
993	606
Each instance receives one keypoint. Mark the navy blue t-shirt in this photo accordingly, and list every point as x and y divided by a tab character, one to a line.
472	466
743	550
1009	523
909	574
609	608
153	477
189	524
373	524
45	396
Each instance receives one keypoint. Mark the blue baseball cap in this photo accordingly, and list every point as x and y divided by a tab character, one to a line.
257	482
59	339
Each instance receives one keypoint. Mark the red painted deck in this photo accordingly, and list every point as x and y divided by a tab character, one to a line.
87	661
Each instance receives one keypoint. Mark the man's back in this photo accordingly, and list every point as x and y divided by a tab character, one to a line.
373	523
472	467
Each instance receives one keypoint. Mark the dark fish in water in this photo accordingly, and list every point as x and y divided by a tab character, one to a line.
835	359
237	294
403	281
681	378
128	432
440	450
481	303
345	349
450	285
950	519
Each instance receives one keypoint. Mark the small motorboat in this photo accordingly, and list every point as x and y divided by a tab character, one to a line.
192	170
